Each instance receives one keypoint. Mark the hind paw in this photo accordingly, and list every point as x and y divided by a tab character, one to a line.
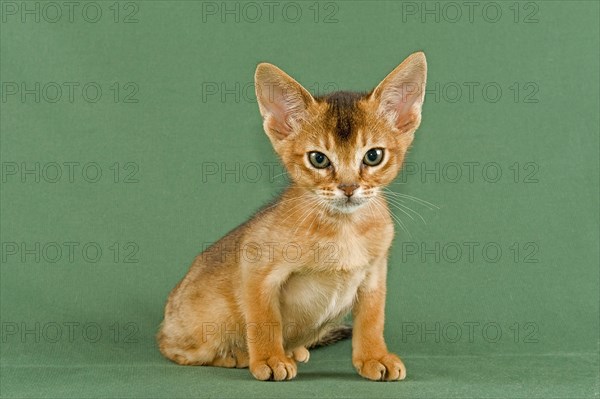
300	354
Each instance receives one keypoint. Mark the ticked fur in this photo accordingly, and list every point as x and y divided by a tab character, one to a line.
283	281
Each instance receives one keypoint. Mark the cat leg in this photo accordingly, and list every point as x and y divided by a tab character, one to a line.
237	358
299	354
264	328
192	343
227	360
242	359
369	352
188	356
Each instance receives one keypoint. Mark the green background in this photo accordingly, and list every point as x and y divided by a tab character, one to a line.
154	140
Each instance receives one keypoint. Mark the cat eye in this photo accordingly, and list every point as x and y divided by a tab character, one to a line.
373	157
318	160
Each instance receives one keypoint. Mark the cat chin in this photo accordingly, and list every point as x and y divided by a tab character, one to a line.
347	208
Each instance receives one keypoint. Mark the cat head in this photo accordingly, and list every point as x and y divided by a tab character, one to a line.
343	147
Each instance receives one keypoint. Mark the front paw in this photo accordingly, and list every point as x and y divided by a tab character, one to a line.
276	368
386	368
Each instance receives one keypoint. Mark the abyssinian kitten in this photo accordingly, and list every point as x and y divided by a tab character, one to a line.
251	301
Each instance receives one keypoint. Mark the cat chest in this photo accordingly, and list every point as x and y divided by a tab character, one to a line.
345	251
316	298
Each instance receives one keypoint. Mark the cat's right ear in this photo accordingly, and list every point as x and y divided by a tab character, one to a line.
282	101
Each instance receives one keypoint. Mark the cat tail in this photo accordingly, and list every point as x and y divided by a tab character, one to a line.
332	335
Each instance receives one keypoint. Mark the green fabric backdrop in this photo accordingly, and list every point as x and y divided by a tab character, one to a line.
131	139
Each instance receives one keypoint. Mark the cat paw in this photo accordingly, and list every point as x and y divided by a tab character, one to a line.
277	368
387	368
300	354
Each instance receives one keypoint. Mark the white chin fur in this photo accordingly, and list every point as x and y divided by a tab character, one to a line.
346	207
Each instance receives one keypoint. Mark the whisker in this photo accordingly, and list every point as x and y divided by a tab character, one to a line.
298	207
402	210
317	216
394	217
279	202
397	203
304	216
378	210
413	198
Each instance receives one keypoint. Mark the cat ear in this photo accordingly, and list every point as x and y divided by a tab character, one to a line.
282	101
401	94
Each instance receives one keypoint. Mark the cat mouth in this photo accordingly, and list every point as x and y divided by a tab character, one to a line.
349	204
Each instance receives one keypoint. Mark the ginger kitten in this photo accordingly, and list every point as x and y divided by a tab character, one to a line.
283	281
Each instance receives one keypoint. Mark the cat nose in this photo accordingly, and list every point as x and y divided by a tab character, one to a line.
348	189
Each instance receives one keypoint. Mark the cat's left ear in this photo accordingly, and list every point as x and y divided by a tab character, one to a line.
399	97
282	101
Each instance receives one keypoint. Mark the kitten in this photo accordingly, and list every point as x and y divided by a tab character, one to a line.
283	281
